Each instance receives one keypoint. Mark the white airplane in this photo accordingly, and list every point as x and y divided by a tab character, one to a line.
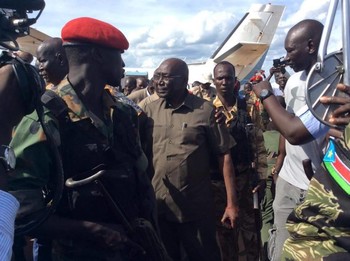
247	45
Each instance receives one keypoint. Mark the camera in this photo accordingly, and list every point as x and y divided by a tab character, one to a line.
277	63
14	20
280	64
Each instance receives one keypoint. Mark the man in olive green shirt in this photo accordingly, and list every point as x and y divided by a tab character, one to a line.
182	136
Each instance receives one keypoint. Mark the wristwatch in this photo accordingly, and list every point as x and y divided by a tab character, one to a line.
7	157
265	93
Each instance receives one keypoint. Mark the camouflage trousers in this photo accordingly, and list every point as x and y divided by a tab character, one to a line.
240	243
267	214
319	228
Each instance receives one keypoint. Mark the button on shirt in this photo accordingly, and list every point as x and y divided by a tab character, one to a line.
181	142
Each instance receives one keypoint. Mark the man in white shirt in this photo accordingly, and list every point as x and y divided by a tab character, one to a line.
303	132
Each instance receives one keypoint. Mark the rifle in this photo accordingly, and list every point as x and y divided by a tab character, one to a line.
145	242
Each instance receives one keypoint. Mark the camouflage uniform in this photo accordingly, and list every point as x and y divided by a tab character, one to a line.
119	96
320	227
206	94
36	165
256	111
242	241
271	138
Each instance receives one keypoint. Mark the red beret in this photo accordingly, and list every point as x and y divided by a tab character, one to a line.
93	31
256	78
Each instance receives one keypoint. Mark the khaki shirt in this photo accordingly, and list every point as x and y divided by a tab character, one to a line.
181	142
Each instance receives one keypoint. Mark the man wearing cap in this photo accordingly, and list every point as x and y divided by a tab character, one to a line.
97	136
204	90
304	134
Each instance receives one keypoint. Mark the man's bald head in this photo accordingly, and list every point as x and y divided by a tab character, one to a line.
51	45
302	43
52	60
177	65
171	79
306	30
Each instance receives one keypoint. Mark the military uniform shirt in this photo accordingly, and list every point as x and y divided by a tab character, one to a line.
35	162
258	145
182	141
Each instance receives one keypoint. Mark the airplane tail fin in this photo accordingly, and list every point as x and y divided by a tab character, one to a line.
247	45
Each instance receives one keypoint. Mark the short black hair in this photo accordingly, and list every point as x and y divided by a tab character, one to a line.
225	63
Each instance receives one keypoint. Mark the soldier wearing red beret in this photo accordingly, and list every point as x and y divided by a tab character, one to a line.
99	138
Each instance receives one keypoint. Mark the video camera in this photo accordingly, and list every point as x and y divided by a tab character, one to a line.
280	63
14	20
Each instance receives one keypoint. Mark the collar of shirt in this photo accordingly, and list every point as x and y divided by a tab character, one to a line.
187	103
230	114
78	111
147	92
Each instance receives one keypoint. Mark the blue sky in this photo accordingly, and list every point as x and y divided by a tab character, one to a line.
191	30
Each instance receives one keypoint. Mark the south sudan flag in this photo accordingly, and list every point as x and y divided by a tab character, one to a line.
337	163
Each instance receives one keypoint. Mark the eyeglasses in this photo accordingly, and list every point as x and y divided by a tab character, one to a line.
166	78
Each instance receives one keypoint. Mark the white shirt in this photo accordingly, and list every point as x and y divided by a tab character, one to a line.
8	210
292	170
276	89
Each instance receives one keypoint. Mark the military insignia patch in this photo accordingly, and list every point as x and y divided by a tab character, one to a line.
338	165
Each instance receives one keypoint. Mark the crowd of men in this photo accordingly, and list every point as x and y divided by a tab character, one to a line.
157	171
